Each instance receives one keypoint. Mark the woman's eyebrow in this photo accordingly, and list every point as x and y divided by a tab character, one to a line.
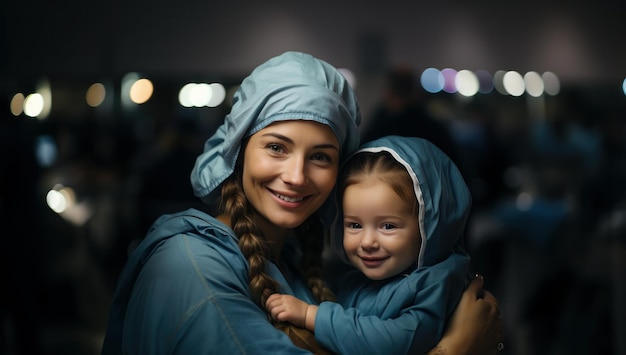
327	146
290	141
279	136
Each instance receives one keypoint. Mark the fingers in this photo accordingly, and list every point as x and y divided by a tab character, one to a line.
275	309
488	297
271	298
475	288
273	305
494	312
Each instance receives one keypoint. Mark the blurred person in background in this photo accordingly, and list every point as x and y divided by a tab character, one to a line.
403	111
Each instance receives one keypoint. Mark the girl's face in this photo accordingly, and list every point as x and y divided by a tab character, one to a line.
289	169
381	232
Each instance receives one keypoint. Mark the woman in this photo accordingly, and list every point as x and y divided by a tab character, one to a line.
197	283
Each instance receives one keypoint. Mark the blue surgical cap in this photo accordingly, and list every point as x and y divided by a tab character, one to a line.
291	86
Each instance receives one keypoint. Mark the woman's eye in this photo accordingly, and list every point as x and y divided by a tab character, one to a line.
277	148
321	156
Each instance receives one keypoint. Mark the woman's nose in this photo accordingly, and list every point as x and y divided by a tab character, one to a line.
295	171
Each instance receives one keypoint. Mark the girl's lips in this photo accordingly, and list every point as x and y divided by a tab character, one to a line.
373	262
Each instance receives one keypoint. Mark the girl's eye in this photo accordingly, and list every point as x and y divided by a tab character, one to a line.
388	226
353	225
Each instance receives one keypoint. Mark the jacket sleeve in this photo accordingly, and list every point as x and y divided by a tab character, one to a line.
348	331
406	318
191	297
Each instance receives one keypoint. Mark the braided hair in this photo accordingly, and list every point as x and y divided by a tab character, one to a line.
254	247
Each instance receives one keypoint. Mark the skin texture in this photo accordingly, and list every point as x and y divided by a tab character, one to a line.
289	170
381	232
480	309
286	308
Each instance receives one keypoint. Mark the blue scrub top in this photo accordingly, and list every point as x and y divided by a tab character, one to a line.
184	290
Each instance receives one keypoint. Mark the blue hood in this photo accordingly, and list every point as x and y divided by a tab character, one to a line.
292	86
444	198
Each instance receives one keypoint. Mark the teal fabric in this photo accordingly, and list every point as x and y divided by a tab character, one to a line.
406	314
292	86
184	290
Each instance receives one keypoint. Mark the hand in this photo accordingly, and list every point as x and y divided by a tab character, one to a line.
476	327
286	308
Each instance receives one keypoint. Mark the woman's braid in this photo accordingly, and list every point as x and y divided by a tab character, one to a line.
251	241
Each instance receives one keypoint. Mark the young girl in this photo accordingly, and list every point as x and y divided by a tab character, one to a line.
405	206
198	282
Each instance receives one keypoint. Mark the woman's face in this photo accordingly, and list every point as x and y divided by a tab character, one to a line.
289	169
381	231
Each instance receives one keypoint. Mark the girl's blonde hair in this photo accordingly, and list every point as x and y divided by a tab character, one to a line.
383	167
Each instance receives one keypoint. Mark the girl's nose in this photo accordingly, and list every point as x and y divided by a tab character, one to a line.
369	240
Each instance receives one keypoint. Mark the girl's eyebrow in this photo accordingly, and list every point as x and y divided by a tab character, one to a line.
290	141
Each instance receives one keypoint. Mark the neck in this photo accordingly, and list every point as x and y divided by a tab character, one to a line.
274	236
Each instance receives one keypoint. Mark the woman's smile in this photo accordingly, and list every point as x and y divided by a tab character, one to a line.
286	198
290	168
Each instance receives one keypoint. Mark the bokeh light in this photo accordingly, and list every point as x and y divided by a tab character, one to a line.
466	83
432	80
60	198
449	79
551	83
45	150
141	91
127	82
96	93
63	201
524	201
17	104
218	93
33	105
485	81
513	83
498	82
534	84
44	89
201	95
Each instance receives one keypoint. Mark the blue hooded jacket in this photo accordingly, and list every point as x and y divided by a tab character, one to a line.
406	314
184	289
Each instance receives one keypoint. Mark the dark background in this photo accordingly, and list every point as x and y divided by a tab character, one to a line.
555	264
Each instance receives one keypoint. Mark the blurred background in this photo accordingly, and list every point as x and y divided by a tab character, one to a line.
104	107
